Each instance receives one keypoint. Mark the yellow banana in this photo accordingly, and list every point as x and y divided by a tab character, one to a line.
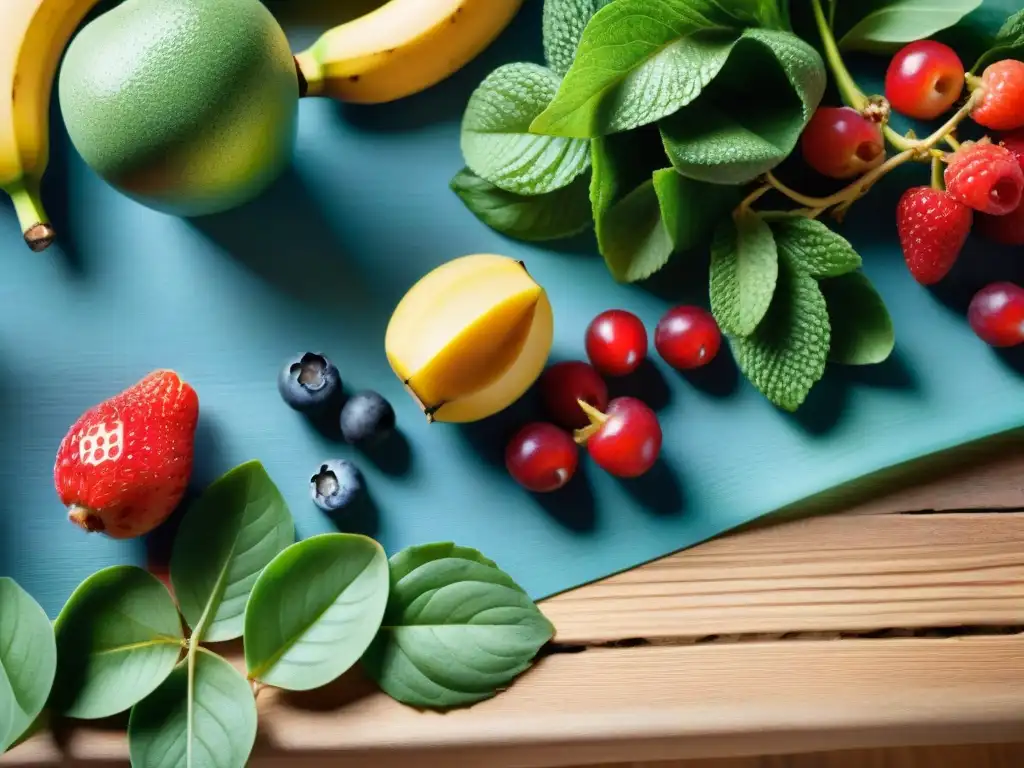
401	48
470	337
36	32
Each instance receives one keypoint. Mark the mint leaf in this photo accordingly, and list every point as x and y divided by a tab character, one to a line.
563	24
887	24
785	357
639	60
744	271
1008	43
691	208
496	141
862	331
561	213
813	248
749	119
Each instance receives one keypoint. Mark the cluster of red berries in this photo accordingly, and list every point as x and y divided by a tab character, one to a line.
622	435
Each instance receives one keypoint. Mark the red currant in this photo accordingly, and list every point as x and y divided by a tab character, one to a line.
687	337
924	79
616	342
563	385
839	142
996	314
624	441
541	457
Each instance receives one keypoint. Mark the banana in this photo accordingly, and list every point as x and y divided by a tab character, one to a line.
470	337
401	48
36	32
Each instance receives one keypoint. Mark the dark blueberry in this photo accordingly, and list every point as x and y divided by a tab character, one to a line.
336	486
309	383
366	419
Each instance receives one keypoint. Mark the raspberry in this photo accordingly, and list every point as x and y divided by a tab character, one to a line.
1008	229
985	177
1001	106
933	227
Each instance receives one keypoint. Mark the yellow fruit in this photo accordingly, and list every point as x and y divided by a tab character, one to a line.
470	337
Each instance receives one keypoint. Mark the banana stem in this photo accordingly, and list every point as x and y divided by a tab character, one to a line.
35	224
310	74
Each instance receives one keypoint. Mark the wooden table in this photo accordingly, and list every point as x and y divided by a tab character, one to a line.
897	620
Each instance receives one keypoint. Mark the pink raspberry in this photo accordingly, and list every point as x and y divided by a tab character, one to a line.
986	177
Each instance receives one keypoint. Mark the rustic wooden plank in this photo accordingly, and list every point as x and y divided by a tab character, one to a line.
827	574
652	703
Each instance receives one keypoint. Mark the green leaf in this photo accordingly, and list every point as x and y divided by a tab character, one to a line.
457	629
813	248
28	661
785	357
744	271
557	214
639	61
118	637
563	24
227	537
1008	43
887	24
749	119
862	331
691	208
211	723
314	610
496	139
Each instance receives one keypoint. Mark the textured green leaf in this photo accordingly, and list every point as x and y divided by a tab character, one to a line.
785	357
314	610
744	271
887	24
563	24
226	539
28	661
118	637
640	60
690	209
496	139
561	213
862	331
210	723
456	629
813	248
750	117
1008	43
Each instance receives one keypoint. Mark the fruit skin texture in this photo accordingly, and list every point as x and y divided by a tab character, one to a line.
470	337
933	228
309	382
626	441
840	143
564	384
187	106
336	485
996	314
33	36
402	48
541	457
367	419
1008	229
616	342
924	79
986	177
687	337
1001	107
124	465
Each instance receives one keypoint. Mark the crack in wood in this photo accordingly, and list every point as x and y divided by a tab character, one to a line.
964	511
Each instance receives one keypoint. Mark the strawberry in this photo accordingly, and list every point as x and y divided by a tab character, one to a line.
1001	104
124	465
933	227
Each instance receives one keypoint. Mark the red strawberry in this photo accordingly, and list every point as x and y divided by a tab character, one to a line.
1008	229
1001	105
986	177
124	465
933	227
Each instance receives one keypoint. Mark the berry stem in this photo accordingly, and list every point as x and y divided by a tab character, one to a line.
851	94
597	420
938	182
752	198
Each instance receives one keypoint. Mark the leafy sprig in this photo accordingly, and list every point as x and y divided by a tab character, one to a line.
306	611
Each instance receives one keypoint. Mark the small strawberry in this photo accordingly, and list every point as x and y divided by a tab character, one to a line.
1001	104
1008	229
933	227
986	177
124	465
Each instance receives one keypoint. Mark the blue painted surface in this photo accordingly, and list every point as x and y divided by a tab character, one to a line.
319	262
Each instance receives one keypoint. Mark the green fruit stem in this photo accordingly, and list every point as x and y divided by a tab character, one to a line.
35	224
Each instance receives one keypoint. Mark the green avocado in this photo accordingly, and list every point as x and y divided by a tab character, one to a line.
187	106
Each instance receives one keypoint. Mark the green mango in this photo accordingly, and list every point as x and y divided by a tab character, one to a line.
187	106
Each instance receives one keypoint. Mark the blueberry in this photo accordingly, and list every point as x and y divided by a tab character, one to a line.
367	419
309	383
336	486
